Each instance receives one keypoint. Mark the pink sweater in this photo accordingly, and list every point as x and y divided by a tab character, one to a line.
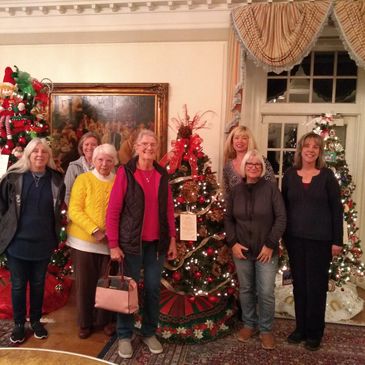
150	229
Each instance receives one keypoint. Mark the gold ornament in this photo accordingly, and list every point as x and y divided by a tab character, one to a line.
215	215
223	255
216	270
181	250
203	232
189	191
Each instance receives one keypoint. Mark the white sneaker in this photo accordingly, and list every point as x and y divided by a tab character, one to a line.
153	344
125	350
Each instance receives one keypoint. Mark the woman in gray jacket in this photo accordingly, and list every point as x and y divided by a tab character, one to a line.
254	221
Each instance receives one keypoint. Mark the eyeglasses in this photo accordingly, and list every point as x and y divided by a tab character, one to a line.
255	165
145	145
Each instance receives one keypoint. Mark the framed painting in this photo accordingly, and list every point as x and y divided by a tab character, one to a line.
116	112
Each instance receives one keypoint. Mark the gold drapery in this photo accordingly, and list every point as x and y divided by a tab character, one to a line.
349	16
278	36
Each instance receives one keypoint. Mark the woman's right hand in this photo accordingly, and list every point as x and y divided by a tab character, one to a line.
238	251
116	254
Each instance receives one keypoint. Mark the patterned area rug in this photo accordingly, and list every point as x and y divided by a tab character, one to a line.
6	326
342	345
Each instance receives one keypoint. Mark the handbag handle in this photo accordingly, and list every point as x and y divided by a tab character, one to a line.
120	271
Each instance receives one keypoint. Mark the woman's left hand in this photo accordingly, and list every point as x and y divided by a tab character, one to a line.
265	254
336	250
172	252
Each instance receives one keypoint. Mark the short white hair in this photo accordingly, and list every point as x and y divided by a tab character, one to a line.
248	155
107	149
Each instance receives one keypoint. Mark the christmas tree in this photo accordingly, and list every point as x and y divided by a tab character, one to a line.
24	105
348	263
197	300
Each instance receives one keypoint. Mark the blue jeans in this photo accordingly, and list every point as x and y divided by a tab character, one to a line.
22	272
257	298
152	264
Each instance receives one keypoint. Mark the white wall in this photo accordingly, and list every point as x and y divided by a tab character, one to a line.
195	71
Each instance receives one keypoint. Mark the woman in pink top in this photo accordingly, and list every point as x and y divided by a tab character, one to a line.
141	231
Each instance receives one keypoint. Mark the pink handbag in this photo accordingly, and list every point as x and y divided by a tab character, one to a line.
117	293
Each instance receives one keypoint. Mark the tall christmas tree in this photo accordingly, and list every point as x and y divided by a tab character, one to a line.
24	115
197	300
349	262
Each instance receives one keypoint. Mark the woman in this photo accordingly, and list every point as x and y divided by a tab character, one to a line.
313	235
86	235
239	141
254	222
141	231
88	142
31	194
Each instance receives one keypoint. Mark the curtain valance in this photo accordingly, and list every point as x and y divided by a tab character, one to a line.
349	17
278	36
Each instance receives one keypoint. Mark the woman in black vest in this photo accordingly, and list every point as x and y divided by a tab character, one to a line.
313	235
31	194
141	230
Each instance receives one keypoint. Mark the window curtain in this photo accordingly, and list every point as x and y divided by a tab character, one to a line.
349	17
234	82
278	36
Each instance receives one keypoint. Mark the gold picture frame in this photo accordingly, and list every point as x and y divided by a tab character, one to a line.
103	108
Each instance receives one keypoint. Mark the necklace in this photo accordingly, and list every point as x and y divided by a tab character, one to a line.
37	177
148	177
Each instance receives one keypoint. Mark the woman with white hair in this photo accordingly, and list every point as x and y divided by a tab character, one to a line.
31	194
254	221
86	235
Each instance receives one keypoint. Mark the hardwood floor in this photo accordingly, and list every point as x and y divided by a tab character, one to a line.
63	332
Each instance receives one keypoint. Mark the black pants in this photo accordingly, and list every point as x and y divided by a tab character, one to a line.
309	264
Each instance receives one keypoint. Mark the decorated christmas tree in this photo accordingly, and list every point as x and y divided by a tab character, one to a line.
24	114
197	300
349	262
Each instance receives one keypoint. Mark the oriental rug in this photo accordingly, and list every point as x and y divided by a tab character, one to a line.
342	345
6	326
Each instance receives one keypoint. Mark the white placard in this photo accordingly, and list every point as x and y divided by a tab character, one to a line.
4	159
188	227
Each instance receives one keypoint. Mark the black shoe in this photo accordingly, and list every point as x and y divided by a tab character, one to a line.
296	337
18	334
312	344
39	331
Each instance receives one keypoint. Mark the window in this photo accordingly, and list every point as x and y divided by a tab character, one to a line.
322	77
282	141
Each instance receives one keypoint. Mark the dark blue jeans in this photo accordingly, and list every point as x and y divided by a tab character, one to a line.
22	272
152	268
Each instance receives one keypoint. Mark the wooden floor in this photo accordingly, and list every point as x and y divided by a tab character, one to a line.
63	332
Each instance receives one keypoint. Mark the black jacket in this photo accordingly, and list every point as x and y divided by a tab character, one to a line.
10	204
131	217
255	216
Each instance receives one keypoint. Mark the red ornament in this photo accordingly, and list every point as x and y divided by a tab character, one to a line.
200	154
210	279
201	200
22	140
231	290
176	276
210	251
190	243
191	299
201	177
213	298
186	158
180	199
197	274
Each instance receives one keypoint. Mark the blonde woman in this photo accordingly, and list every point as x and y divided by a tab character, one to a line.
239	141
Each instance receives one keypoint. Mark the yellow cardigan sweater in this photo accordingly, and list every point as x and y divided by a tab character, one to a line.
87	207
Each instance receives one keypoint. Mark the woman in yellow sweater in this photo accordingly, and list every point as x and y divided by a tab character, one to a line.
86	235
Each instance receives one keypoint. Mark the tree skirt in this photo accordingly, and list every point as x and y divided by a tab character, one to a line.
187	319
342	344
55	296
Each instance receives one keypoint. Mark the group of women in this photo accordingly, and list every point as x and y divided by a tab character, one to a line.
128	217
308	215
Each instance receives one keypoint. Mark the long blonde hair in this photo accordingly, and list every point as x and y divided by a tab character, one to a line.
23	164
241	130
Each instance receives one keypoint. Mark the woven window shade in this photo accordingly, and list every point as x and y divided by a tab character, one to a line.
349	16
278	36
